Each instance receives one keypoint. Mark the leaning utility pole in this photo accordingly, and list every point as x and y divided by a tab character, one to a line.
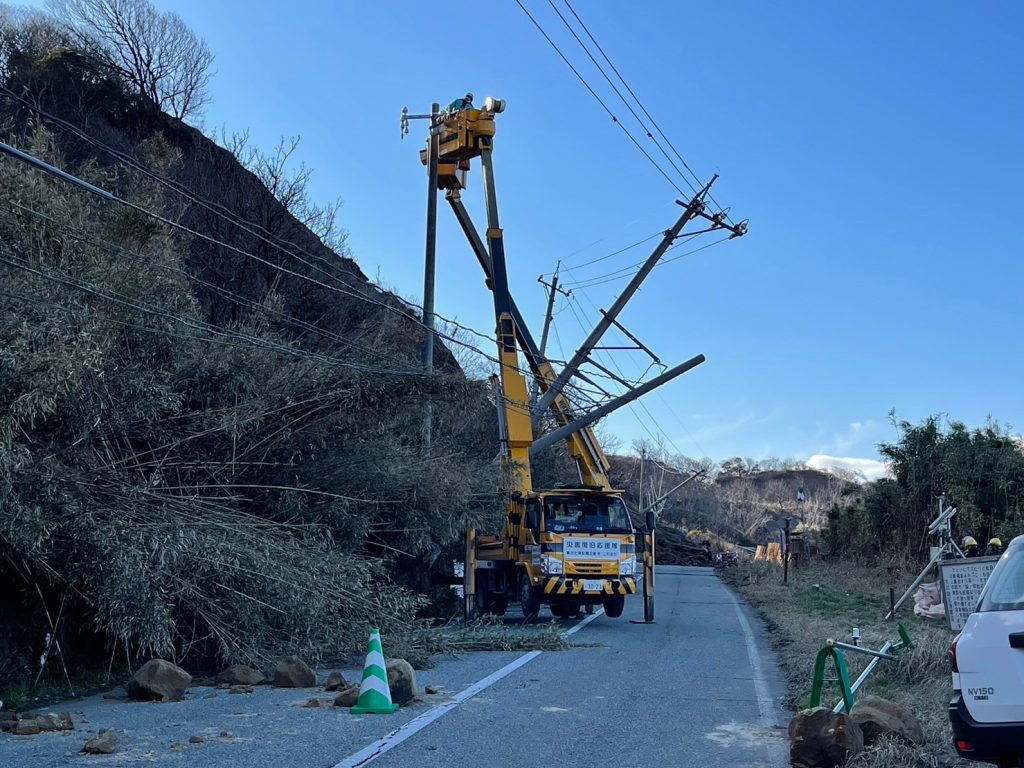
549	313
693	208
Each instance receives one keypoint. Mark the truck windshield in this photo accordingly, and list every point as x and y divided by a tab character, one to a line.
586	514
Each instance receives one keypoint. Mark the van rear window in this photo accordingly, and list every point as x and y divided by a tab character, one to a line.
1005	588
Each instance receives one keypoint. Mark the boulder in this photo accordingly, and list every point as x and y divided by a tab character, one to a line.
402	681
61	722
104	743
313	703
335	682
820	738
8	721
239	674
293	672
348	697
196	740
877	716
28	726
159	680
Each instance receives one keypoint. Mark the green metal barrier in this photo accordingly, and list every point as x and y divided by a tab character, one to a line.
834	650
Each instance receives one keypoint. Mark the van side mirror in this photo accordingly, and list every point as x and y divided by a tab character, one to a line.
651	520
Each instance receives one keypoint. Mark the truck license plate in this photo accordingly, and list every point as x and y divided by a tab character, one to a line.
593	585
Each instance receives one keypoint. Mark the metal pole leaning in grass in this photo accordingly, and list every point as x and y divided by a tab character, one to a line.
835	650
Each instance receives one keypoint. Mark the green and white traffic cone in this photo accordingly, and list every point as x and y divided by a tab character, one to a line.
374	691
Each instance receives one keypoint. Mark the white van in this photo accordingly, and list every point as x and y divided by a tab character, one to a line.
987	657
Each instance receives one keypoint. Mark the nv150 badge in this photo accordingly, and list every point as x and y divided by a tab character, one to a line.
981	694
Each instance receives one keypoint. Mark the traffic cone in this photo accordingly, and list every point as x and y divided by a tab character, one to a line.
374	691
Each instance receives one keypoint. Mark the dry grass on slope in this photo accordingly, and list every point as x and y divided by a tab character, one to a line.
826	600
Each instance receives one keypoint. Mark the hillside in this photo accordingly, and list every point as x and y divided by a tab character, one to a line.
209	420
745	508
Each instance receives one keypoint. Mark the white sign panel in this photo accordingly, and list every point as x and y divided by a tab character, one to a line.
590	549
962	582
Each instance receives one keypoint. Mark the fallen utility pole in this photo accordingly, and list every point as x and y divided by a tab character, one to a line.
658	501
590	417
695	206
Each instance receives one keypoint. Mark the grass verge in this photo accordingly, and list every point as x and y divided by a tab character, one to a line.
826	600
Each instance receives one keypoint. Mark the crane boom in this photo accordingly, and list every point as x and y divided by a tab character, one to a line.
591	462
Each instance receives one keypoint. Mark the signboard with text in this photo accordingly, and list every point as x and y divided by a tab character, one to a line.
962	582
590	549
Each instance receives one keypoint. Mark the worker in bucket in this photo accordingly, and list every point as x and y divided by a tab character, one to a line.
970	547
995	547
466	102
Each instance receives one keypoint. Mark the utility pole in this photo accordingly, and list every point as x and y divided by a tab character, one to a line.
692	209
549	314
429	263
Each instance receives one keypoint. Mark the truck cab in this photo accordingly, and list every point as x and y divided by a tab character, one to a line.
568	548
587	550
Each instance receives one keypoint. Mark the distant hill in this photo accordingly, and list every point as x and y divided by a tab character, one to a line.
745	507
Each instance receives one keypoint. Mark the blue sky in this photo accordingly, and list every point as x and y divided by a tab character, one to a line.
874	147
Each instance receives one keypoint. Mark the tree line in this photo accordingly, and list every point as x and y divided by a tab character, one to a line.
979	471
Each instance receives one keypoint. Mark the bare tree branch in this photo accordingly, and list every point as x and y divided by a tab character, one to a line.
154	51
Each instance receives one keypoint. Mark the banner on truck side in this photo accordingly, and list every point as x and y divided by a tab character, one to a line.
590	549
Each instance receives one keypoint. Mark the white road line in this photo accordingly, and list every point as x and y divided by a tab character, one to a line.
376	749
777	753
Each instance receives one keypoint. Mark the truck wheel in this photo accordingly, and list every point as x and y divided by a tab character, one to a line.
487	602
613	606
529	598
499	605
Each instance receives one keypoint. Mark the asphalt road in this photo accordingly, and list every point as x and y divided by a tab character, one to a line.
697	688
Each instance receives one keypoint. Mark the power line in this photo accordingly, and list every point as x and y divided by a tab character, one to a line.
150	309
105	195
638	101
612	363
599	99
622	98
628	268
620	274
659	233
246	226
229	216
80	235
216	208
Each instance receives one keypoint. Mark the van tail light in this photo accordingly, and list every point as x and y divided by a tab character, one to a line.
952	654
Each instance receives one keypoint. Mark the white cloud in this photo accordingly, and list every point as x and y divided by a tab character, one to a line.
868	469
856	434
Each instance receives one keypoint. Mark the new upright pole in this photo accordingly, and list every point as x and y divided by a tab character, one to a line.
429	265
